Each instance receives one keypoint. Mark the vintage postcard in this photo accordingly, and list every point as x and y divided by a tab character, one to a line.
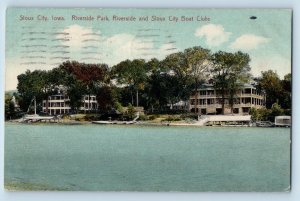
189	100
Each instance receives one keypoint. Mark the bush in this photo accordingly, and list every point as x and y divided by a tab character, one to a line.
152	117
143	118
264	114
66	116
173	118
119	107
131	111
90	118
189	116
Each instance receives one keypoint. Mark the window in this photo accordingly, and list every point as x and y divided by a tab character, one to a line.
248	100
247	91
210	101
202	101
245	110
235	110
210	92
202	93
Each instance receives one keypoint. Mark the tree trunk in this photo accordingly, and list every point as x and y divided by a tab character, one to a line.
35	105
196	98
131	98
137	98
231	103
47	102
89	103
223	101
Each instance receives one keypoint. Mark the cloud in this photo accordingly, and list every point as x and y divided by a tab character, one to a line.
248	42
110	49
214	34
124	46
77	36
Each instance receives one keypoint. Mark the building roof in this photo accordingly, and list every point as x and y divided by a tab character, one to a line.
208	86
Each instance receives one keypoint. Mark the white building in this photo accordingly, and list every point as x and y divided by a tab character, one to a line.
57	104
207	101
60	104
89	103
181	105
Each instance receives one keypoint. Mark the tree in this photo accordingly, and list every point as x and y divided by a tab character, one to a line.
9	107
277	91
133	74
271	84
163	89
286	101
155	92
177	67
198	62
75	90
154	66
91	76
106	98
230	71
33	84
190	67
77	79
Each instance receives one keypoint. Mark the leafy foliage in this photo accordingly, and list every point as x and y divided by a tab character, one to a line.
131	73
264	114
9	107
131	111
230	71
277	91
155	85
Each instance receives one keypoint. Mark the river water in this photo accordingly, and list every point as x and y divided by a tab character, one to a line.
145	158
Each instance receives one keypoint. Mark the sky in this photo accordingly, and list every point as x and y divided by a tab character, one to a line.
44	38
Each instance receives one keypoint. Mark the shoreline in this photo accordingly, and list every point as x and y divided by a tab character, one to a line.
203	121
139	123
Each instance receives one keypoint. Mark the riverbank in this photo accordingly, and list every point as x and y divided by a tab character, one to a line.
163	120
158	120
